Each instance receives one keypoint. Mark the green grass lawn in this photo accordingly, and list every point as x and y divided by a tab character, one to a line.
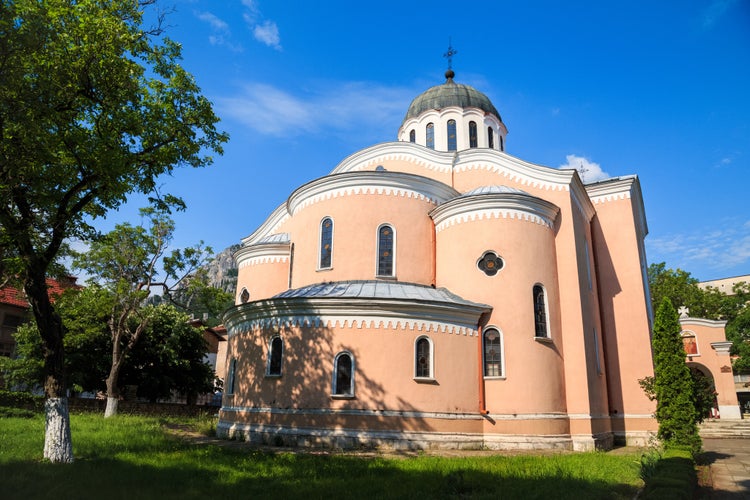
136	458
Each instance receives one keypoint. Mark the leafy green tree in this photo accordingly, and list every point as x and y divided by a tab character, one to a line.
93	107
673	385
130	262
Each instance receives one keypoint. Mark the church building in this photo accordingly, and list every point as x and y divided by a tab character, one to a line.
437	292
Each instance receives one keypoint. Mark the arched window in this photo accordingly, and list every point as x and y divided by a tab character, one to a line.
413	136
452	135
430	131
244	296
231	376
472	134
490	138
386	250
326	243
343	374
423	358
492	342
541	326
502	144
275	353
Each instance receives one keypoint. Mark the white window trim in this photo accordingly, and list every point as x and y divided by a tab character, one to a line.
320	241
353	393
502	375
431	378
690	333
548	338
377	252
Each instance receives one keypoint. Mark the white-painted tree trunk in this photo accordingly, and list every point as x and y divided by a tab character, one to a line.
111	408
58	445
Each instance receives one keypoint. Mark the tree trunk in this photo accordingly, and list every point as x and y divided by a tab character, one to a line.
111	409
113	380
58	445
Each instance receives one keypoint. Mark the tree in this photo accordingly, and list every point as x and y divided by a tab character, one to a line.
93	107
129	263
673	385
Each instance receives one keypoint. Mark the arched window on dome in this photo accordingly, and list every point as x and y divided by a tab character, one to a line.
423	358
343	375
430	131
275	353
490	138
452	145
541	316
502	144
472	134
413	136
326	243
386	251
492	347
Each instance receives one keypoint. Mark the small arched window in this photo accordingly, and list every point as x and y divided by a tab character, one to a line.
541	326
502	144
492	342
244	296
490	138
386	250
275	354
326	243
423	358
232	376
452	135
472	134
430	134
413	136
343	374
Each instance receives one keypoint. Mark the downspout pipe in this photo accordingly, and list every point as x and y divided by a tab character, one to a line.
482	401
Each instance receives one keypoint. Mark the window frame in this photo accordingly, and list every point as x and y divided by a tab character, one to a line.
335	379
321	242
270	359
473	135
232	377
431	361
501	361
450	126
378	274
413	136
490	138
537	322
430	135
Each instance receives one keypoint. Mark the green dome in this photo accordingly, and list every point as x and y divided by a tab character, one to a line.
448	94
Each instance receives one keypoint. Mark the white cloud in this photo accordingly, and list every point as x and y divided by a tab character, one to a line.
268	33
715	11
330	108
215	22
221	33
587	169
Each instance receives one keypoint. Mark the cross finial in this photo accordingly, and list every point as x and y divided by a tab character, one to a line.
683	311
449	55
582	170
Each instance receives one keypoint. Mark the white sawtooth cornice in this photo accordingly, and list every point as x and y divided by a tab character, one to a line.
711	323
357	313
371	157
269	226
509	205
370	182
621	188
262	254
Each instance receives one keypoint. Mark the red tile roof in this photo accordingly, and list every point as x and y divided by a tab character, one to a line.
17	297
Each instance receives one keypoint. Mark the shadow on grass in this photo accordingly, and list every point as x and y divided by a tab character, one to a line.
212	472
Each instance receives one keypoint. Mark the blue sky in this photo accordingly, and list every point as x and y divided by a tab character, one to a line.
657	89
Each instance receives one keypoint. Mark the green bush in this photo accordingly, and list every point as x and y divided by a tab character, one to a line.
673	476
23	400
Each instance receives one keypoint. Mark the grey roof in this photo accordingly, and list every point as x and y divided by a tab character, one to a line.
373	289
274	238
496	189
448	94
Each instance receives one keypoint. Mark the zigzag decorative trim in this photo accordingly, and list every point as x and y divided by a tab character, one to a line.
265	259
409	158
512	176
611	197
354	322
491	214
364	190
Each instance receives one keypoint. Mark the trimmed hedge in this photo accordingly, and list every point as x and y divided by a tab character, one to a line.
23	400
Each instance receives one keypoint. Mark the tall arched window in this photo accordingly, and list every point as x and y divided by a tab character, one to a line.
326	243
452	135
541	326
423	358
472	134
413	136
502	144
493	353
430	133
490	138
231	376
343	374
386	250
275	353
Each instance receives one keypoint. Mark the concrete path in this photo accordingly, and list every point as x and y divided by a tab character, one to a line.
729	460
